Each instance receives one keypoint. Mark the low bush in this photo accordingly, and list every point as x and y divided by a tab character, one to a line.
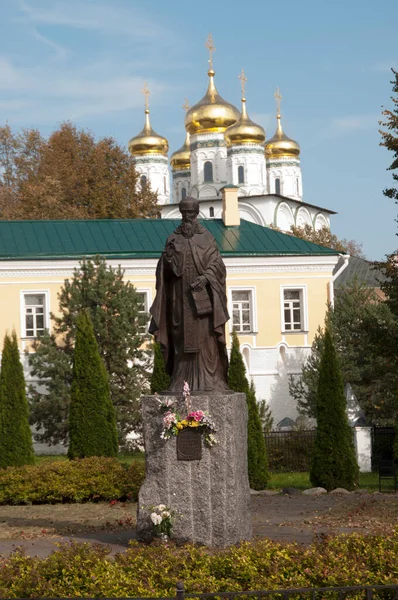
86	571
80	480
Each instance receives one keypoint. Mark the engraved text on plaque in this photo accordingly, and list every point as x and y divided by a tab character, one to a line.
189	445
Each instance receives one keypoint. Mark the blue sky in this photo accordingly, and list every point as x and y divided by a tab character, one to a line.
86	61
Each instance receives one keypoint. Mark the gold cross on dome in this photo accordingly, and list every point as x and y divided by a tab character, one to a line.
243	80
211	48
185	106
146	93
278	97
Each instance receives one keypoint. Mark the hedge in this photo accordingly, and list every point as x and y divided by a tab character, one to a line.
80	480
86	571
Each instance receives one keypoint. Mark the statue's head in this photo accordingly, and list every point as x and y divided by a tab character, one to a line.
189	209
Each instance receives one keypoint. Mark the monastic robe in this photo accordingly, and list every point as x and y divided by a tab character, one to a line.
189	326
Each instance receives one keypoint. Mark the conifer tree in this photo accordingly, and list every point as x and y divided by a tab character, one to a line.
256	450
160	380
115	309
92	421
237	380
334	461
16	447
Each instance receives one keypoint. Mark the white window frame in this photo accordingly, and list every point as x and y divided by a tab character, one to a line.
253	307
148	293
47	322
304	308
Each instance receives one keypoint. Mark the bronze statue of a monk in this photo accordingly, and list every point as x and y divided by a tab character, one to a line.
190	308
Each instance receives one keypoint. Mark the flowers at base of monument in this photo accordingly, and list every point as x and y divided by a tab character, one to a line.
197	419
186	392
165	403
162	518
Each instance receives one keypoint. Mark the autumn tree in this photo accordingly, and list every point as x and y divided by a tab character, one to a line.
364	331
115	309
390	141
324	237
69	176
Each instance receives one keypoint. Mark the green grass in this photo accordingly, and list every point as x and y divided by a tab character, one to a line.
278	481
301	481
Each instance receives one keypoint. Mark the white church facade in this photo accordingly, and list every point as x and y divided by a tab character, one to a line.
223	146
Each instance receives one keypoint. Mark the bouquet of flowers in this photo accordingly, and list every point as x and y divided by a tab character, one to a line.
173	423
162	519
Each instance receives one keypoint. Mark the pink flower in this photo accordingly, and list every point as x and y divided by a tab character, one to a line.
169	418
196	415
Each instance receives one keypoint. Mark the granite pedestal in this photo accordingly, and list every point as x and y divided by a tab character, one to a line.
212	494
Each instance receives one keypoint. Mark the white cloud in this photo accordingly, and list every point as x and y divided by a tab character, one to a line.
384	67
70	93
343	125
111	18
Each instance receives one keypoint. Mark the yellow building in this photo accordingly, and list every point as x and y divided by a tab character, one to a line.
278	286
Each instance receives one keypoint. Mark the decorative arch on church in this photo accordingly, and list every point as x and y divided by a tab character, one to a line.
303	217
250	213
283	216
195	192
183	193
278	186
241	174
208	191
255	192
320	221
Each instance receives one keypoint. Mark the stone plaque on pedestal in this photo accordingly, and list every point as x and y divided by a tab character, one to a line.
189	444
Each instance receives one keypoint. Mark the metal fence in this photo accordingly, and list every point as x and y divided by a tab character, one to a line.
382	445
290	450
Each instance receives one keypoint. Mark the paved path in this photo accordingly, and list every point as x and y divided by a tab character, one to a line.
281	518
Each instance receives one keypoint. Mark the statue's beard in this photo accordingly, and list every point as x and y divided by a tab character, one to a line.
188	228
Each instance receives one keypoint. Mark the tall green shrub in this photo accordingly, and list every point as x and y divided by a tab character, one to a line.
334	461
256	450
160	380
237	380
16	447
92	421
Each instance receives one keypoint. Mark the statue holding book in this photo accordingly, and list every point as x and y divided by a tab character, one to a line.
190	308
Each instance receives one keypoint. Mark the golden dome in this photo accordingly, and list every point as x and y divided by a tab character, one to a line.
212	113
281	145
244	131
148	141
181	159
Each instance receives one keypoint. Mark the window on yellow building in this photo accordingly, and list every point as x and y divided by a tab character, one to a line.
242	313
293	310
34	322
144	308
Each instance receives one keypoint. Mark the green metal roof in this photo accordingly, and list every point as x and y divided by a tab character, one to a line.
138	238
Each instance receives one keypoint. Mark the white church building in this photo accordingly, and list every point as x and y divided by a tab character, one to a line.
223	146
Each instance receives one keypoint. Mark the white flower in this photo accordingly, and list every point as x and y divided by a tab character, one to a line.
161	507
165	514
155	518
